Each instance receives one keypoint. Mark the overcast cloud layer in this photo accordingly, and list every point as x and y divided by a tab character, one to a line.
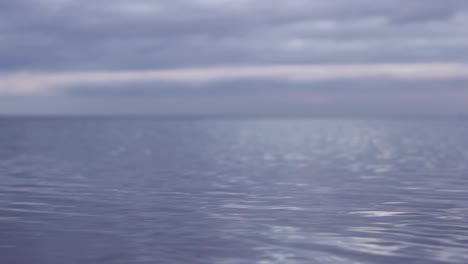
59	47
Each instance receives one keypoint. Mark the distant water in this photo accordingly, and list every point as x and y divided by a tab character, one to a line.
142	190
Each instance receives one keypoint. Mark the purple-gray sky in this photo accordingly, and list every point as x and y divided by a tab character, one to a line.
331	57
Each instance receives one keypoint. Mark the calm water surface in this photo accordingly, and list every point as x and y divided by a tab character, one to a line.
145	190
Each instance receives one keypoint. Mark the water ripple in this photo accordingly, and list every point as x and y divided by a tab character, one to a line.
205	191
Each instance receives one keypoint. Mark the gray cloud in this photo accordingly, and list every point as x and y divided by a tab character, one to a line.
90	56
50	35
262	87
363	97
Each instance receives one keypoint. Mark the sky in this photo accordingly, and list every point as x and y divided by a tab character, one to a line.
267	57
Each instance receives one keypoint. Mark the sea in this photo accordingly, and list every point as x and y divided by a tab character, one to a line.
126	190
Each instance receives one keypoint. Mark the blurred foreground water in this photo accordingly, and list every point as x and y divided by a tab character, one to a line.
147	190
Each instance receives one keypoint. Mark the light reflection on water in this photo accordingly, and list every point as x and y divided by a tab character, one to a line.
211	191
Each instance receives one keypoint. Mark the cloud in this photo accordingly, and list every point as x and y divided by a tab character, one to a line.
40	83
207	51
276	102
57	35
365	89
